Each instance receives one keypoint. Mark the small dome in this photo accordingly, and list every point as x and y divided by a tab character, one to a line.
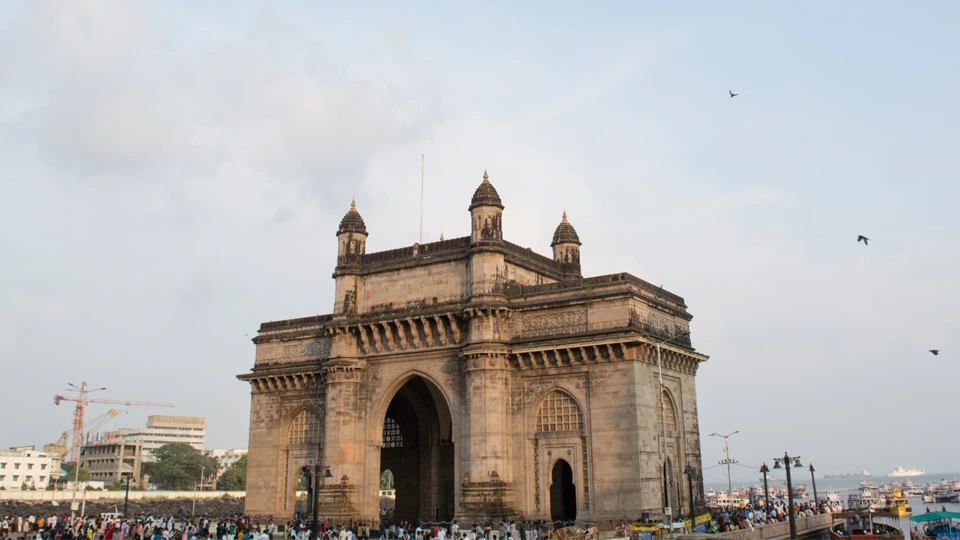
485	195
565	233
352	222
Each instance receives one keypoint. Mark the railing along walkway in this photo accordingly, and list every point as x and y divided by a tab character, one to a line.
773	531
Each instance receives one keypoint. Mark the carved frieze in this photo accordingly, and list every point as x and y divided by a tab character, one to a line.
554	324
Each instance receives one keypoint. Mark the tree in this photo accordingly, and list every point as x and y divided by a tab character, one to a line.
235	477
178	466
84	473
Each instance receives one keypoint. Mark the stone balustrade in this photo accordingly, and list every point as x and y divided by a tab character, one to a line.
773	531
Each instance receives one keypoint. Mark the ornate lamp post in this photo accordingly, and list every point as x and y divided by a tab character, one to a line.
816	504
766	491
314	525
663	430
784	463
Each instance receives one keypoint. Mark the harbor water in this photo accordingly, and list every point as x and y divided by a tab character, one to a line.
845	486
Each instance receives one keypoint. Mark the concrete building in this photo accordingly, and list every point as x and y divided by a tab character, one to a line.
22	467
163	430
113	460
492	381
225	456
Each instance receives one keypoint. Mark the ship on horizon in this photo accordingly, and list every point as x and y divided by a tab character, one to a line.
862	473
900	472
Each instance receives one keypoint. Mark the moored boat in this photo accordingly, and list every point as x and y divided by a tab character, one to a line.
896	503
861	526
936	525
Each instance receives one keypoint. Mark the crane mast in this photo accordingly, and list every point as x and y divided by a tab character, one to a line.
82	399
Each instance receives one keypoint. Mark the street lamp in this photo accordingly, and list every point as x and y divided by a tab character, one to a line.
727	462
314	526
663	428
784	462
766	491
816	504
690	471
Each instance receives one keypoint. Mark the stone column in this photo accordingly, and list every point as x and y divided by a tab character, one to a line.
486	489
343	433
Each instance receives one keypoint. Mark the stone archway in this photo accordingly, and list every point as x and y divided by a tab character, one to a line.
563	494
417	449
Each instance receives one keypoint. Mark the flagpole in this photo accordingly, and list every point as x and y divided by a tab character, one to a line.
421	198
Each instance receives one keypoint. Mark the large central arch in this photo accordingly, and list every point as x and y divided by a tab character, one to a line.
417	448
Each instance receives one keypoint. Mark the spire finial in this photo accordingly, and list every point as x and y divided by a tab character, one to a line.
564	214
485	177
441	236
353	204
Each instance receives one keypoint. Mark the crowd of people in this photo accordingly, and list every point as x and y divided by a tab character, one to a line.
114	527
754	515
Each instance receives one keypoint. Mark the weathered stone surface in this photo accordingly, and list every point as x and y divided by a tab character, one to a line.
494	369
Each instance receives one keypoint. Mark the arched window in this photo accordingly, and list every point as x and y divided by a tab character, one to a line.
392	437
559	412
305	428
669	412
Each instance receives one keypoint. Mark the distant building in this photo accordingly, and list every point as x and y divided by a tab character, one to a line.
22	467
225	457
163	430
113	460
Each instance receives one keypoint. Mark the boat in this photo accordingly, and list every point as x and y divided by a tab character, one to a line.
832	499
861	526
864	472
800	491
865	499
896	503
900	472
936	525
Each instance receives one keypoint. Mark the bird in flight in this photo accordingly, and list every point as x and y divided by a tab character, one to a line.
936	352
732	94
864	239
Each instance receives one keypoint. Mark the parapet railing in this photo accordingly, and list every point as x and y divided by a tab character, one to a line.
769	532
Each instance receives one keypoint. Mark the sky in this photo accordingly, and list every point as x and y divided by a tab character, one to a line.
173	174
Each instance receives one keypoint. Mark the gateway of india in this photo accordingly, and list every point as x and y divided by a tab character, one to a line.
491	381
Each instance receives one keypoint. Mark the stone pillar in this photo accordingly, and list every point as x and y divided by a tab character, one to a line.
265	457
343	433
487	488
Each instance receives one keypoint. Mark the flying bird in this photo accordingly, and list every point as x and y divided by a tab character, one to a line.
864	239
936	352
732	94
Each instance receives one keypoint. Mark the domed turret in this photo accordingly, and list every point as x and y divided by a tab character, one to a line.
486	210
352	221
352	236
566	247
485	195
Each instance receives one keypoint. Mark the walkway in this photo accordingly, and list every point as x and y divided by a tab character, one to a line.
775	531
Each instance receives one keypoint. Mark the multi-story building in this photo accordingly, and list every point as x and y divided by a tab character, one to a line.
113	460
22	467
225	457
163	430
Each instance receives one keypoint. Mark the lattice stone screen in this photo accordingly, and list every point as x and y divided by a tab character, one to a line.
669	412
305	428
392	438
558	412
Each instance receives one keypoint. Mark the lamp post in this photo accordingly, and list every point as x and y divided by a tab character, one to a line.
766	491
663	429
727	462
194	511
814	481
690	471
314	525
784	462
126	498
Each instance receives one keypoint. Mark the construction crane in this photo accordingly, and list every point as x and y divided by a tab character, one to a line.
82	400
103	419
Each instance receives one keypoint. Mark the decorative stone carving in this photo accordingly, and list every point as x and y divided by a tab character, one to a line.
552	324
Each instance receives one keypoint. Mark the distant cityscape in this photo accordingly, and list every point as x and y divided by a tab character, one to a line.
111	456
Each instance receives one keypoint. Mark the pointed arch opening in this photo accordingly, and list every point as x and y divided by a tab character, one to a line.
417	450
669	412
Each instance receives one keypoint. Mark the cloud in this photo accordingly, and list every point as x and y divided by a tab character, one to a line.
121	108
